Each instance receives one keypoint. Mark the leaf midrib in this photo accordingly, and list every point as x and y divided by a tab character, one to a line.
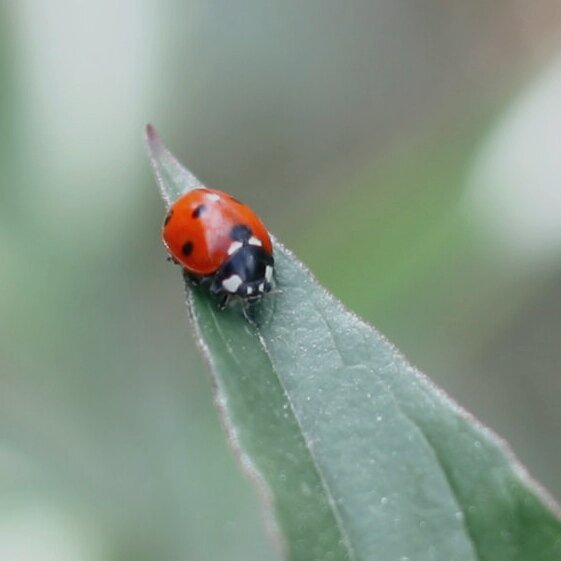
330	499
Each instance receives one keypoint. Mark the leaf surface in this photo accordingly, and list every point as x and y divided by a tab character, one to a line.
357	454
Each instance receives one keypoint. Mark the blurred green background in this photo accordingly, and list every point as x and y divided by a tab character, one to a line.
410	154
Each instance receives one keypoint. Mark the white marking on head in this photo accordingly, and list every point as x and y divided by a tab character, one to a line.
255	241
234	246
231	284
213	197
250	289
268	273
262	287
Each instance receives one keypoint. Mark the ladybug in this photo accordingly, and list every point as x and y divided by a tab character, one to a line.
220	241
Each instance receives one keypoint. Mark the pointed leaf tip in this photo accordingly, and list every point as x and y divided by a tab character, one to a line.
154	143
151	135
150	130
172	178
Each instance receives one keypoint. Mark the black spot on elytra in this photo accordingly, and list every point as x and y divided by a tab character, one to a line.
168	217
240	233
198	211
187	248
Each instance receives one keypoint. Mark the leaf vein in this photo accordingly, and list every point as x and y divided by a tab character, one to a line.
425	438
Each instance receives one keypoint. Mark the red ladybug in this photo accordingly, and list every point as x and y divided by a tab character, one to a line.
218	239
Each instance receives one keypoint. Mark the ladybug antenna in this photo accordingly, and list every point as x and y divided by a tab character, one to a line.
275	291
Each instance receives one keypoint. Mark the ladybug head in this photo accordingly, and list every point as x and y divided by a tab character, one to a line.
247	273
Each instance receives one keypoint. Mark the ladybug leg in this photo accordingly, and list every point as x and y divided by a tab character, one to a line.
248	314
217	289
222	297
223	301
194	280
171	259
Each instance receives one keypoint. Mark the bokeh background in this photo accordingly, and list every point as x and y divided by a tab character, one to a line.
409	153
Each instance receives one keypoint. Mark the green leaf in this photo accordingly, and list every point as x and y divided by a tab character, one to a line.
357	454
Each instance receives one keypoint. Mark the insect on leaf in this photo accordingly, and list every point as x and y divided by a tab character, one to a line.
357	454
